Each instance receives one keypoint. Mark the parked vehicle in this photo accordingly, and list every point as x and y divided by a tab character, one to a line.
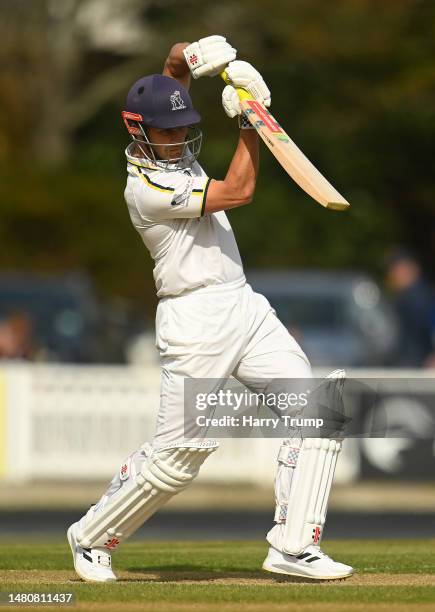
63	319
340	319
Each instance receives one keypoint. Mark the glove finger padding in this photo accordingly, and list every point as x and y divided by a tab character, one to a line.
209	56
243	74
215	66
213	38
231	102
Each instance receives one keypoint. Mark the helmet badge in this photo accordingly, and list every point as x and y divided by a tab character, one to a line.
177	101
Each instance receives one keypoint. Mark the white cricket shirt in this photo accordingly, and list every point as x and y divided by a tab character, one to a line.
190	249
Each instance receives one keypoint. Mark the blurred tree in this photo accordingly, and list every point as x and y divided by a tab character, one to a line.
60	62
353	82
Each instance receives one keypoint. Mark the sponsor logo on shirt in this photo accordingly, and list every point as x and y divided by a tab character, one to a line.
182	199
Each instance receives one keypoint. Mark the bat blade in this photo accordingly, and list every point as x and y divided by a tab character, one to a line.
291	158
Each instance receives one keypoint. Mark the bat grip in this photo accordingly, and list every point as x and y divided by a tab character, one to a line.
242	93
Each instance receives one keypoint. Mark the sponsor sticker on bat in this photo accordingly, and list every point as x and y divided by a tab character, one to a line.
265	116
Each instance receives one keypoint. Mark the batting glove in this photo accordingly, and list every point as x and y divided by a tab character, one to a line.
209	56
231	101
231	104
243	74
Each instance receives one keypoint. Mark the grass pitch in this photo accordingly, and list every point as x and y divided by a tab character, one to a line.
211	576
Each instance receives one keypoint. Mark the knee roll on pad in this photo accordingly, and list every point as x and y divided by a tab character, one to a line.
165	473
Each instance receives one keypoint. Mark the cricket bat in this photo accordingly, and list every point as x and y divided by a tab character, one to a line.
291	158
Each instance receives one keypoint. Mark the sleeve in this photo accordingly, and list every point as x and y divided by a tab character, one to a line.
169	195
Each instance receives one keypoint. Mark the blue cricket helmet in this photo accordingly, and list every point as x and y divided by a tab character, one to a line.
161	102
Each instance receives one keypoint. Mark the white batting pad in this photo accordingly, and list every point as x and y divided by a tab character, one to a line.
162	474
309	493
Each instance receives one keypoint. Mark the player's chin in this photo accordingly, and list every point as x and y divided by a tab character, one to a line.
174	157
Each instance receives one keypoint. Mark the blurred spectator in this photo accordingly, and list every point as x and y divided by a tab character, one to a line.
16	337
414	301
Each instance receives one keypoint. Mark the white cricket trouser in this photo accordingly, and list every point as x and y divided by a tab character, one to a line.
215	332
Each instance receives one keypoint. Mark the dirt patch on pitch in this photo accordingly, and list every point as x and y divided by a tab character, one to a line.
69	577
266	579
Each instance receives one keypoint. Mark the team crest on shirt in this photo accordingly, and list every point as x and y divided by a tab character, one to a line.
177	101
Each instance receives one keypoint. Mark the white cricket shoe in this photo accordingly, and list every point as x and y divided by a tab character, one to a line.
91	564
311	563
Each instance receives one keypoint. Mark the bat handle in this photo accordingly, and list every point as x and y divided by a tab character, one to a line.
242	93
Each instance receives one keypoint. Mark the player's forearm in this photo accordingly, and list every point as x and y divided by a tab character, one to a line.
237	189
243	171
176	66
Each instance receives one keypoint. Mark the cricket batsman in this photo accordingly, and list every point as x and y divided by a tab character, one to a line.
210	324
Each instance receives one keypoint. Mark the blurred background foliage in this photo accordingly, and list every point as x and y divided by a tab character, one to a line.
353	82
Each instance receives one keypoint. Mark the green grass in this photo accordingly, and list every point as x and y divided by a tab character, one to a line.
368	556
185	572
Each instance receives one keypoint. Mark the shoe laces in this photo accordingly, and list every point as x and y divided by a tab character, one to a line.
319	552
